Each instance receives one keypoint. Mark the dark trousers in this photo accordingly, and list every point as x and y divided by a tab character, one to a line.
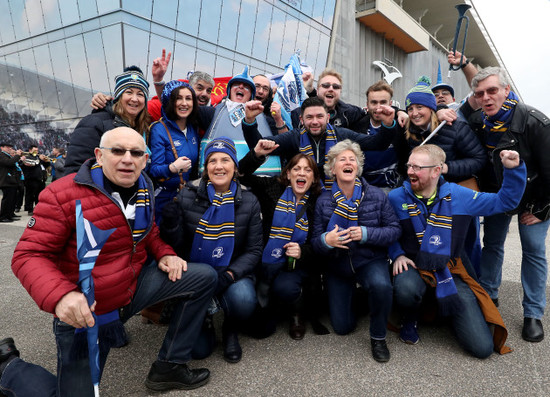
33	188
7	208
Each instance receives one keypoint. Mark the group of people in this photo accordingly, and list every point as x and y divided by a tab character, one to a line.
369	198
23	175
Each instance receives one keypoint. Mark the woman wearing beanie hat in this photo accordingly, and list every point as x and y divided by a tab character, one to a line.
465	155
215	221
174	142
127	109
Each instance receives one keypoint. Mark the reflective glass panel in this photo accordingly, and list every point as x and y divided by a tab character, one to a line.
87	9
142	8
210	20
261	30
183	61
205	61
69	12
188	16
228	25
112	42
165	12
104	6
52	17
246	27
93	42
276	37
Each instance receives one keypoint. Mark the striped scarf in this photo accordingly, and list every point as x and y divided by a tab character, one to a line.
215	235
285	227
434	237
498	124
345	213
142	204
330	141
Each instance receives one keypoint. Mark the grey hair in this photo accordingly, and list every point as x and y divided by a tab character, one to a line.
491	71
198	75
340	147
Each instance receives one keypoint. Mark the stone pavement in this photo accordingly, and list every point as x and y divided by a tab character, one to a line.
328	365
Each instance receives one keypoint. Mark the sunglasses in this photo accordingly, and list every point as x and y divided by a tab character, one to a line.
326	86
119	152
489	91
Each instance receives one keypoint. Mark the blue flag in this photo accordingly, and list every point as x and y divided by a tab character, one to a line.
290	89
90	241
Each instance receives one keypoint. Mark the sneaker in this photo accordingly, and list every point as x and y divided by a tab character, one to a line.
168	376
408	333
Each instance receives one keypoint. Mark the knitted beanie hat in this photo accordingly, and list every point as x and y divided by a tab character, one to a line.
169	87
221	144
242	78
131	77
421	94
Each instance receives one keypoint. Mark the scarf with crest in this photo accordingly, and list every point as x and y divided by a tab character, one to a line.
345	213
434	237
285	227
143	203
496	125
306	148
214	239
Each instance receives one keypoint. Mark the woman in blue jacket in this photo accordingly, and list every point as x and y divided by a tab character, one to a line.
353	226
174	142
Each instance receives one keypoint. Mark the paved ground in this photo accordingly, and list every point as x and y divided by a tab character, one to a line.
327	365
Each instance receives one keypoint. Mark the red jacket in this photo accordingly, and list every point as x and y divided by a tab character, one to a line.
45	258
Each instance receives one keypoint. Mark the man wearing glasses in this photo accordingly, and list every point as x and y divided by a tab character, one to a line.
114	193
329	89
434	216
504	123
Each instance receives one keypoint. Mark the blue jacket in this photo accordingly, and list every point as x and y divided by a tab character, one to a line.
465	204
162	154
378	218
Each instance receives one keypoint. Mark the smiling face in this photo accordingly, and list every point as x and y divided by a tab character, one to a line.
491	103
184	103
203	90
132	101
240	92
221	169
315	119
328	93
300	177
345	167
262	87
423	181
420	115
122	170
375	99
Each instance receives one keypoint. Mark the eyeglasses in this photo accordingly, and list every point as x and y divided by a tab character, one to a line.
442	93
260	87
489	91
335	86
119	152
417	168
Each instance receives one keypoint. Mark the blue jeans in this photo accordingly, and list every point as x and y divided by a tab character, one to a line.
238	302
471	330
373	277
287	286
534	267
195	289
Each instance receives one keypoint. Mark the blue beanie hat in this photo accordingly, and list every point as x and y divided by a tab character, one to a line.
242	78
132	77
169	87
421	94
221	144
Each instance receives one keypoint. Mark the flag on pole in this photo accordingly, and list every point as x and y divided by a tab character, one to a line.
90	241
290	89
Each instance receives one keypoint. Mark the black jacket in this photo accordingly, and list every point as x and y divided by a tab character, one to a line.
193	201
529	135
8	172
86	136
344	115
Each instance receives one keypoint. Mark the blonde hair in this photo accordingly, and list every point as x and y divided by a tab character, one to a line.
436	154
141	122
331	72
434	122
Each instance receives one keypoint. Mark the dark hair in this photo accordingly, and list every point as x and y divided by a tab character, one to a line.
313	101
316	185
31	146
204	175
171	106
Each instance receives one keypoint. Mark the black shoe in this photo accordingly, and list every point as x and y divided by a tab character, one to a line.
8	352
167	376
532	330
31	213
6	220
232	352
495	301
380	350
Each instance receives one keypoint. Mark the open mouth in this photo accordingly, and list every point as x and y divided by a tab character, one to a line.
239	94
348	170
300	182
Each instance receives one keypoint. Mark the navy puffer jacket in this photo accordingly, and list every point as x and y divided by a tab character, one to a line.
375	213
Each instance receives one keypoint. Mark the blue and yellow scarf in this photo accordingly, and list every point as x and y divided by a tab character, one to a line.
496	125
434	237
215	235
306	148
345	213
285	227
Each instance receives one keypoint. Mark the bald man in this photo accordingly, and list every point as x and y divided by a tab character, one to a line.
114	194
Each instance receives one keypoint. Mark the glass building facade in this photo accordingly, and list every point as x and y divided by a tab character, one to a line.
54	54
